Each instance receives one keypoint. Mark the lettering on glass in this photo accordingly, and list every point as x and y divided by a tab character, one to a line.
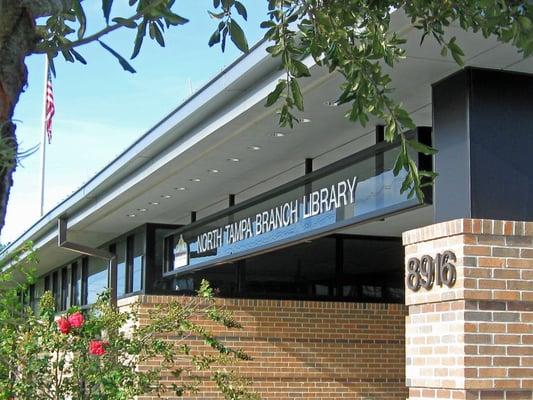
291	212
425	272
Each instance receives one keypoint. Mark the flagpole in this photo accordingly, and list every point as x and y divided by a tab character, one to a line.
43	134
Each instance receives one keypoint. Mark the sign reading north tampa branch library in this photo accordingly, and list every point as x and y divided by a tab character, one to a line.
356	190
317	202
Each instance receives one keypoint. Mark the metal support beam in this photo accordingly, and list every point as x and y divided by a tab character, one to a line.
62	242
308	169
380	133
308	165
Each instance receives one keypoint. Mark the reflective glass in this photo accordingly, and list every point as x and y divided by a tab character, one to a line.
97	279
306	270
373	269
122	282
138	262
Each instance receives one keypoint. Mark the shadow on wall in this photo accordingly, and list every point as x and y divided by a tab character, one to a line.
318	350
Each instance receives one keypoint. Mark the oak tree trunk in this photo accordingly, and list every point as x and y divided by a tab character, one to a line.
17	40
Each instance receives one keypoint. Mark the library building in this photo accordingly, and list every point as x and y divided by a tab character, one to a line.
346	288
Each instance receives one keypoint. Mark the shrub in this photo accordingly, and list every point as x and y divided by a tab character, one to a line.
95	353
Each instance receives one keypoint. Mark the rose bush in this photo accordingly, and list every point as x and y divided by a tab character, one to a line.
76	320
63	325
97	347
89	354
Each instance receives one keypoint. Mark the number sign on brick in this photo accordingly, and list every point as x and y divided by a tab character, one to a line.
427	271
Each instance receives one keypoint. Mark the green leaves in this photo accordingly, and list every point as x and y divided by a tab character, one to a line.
173	19
298	69
241	10
414	179
215	38
237	36
78	56
122	61
80	15
276	93
290	49
525	22
106	9
228	25
354	41
456	51
205	291
297	95
156	34
421	148
151	15
141	33
154	18
128	23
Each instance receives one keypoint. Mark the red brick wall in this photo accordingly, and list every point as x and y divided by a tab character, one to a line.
316	350
474	340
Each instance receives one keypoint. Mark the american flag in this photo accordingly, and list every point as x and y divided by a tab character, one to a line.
49	107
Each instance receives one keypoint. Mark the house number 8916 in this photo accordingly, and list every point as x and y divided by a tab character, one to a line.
426	271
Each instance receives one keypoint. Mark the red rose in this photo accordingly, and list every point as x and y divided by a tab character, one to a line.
97	347
63	325
76	320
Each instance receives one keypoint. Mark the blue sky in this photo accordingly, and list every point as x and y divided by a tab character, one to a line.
101	109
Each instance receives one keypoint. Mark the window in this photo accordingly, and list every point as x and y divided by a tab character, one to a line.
168	254
136	260
339	267
137	273
223	279
65	286
39	291
184	285
84	278
31	295
56	288
306	270
96	279
162	251
75	289
122	273
372	269
93	277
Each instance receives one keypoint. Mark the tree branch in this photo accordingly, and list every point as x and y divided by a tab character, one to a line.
91	38
97	35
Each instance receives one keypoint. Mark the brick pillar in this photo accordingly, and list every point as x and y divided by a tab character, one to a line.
473	339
